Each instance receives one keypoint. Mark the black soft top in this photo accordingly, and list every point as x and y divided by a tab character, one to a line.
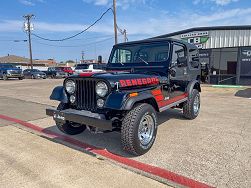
160	39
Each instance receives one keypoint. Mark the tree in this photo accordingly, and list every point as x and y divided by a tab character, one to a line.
70	61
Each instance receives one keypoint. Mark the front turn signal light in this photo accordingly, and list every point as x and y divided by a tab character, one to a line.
133	94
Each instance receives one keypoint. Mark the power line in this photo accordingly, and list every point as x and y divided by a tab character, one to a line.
67	38
85	38
73	46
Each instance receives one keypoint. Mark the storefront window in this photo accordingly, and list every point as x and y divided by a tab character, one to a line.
223	66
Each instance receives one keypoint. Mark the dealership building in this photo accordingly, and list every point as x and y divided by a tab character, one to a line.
225	52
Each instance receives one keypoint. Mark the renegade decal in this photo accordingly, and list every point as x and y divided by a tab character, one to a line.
138	82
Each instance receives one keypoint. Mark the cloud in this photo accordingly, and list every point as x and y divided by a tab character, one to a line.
224	2
217	2
124	4
162	23
45	27
30	2
27	2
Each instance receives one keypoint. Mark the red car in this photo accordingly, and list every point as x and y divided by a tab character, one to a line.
67	70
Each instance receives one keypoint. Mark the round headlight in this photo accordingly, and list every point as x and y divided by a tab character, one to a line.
72	98
101	89
100	103
70	86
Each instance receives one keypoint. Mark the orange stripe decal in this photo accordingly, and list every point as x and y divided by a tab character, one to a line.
172	100
159	98
156	92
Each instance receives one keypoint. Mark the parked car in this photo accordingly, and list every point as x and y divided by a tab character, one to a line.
83	68
34	74
142	78
67	70
10	71
56	72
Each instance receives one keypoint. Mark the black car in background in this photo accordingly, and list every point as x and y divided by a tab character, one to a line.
56	72
10	71
34	74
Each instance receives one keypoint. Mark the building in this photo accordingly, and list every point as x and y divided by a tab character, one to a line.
225	51
24	63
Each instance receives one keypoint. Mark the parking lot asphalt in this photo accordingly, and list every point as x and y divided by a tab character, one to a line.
28	160
215	148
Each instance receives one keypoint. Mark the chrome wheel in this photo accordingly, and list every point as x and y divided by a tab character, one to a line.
196	105
146	129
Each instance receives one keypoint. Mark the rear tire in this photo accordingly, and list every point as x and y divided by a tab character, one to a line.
70	128
139	129
20	78
191	107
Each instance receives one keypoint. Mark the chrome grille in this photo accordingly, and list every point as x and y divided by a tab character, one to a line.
86	95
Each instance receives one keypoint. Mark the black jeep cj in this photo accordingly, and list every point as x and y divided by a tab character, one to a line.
142	78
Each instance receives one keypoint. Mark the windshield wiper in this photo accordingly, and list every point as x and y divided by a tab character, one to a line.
143	60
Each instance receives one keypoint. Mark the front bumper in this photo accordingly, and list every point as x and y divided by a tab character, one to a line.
81	117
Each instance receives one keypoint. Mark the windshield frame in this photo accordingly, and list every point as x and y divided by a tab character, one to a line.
142	63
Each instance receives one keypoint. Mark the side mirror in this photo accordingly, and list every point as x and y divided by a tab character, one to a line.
181	61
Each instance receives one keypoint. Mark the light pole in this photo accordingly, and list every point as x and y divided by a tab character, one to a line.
115	22
28	29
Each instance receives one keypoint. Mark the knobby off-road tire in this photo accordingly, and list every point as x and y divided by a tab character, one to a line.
191	107
132	126
70	128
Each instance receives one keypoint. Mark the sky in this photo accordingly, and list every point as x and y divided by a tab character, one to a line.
57	19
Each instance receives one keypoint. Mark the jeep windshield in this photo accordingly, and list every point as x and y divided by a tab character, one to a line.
139	54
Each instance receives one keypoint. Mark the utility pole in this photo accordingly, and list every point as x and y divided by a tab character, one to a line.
28	29
125	36
82	56
115	22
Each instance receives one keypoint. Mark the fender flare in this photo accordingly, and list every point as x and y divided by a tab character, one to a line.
194	84
129	103
59	94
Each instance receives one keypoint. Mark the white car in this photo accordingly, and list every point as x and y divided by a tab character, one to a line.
83	68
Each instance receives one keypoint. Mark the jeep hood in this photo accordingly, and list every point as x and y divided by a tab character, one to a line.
127	79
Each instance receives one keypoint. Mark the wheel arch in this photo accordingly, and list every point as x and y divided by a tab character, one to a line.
59	94
150	101
194	84
141	98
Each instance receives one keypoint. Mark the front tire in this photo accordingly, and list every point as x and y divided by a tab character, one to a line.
70	128
191	107
139	129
